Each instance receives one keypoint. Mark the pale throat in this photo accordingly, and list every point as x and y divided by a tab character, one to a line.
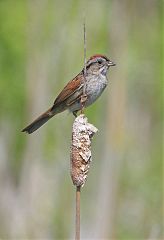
103	70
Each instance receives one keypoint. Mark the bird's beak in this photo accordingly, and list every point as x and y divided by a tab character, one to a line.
110	63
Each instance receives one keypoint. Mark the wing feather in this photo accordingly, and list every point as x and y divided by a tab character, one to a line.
69	90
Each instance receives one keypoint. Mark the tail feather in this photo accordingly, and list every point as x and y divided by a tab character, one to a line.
42	119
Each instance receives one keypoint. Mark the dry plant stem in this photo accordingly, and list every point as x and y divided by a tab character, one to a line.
84	97
82	134
77	236
85	49
81	148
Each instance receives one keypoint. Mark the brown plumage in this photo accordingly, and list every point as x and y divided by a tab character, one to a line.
61	103
70	96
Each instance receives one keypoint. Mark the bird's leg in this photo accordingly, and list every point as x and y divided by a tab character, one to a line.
75	113
83	100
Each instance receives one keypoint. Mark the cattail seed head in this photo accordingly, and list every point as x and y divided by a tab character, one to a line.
82	134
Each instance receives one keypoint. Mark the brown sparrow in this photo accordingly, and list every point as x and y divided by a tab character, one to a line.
94	81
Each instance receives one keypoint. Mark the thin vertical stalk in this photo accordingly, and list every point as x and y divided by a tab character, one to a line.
77	236
85	50
84	97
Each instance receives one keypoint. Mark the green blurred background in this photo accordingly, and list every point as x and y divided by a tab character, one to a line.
41	49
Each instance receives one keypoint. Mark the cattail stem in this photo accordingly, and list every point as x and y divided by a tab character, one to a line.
84	97
82	134
85	50
77	236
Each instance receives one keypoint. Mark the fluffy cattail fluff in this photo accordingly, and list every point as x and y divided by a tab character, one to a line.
82	134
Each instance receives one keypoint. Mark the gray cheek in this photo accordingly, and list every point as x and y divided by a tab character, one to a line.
104	71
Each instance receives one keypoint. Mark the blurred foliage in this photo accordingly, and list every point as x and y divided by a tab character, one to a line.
41	48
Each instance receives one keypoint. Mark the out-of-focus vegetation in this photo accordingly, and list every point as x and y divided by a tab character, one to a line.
41	48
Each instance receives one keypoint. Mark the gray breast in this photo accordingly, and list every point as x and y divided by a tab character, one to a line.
95	87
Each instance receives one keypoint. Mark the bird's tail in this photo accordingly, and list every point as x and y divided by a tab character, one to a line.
42	119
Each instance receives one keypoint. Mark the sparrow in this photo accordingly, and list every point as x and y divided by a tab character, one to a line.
91	81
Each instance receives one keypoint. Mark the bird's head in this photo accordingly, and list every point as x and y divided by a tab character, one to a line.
99	64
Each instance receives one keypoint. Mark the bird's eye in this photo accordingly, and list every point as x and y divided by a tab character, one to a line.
99	61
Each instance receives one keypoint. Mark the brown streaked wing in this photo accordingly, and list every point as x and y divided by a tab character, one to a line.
69	89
